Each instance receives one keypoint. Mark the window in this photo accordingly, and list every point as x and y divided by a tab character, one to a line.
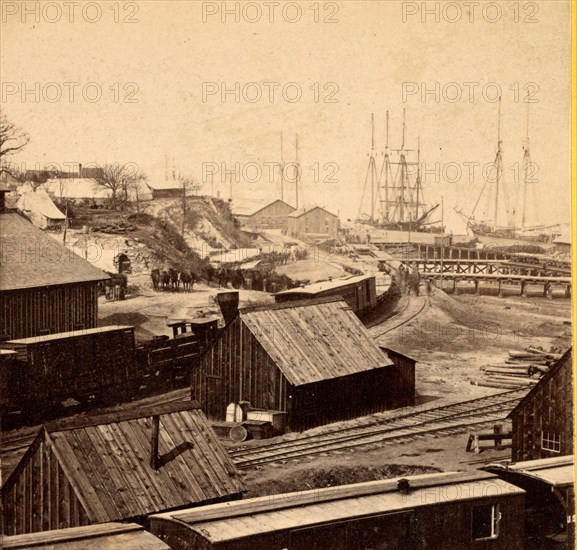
485	521
550	442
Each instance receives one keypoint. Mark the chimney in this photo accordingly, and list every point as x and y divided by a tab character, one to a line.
228	302
404	486
154	458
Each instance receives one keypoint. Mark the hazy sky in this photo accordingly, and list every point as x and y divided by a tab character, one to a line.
151	73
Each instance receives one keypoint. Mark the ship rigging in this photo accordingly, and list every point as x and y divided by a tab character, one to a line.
396	199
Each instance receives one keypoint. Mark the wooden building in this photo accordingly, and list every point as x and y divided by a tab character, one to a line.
563	244
313	360
550	499
272	216
358	291
313	223
44	287
105	536
117	467
445	511
169	189
543	419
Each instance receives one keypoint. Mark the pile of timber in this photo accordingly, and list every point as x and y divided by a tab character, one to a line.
520	368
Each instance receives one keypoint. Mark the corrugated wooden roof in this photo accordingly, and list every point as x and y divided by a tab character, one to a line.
107	461
236	520
30	258
314	342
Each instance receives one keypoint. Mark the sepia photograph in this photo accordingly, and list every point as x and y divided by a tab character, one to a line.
287	275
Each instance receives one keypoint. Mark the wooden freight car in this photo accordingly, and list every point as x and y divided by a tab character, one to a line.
359	292
445	511
98	362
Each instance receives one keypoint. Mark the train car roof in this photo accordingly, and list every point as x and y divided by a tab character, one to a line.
321	286
70	334
104	536
556	472
236	520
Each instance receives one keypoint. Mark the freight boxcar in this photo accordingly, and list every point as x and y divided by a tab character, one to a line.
359	292
47	370
445	511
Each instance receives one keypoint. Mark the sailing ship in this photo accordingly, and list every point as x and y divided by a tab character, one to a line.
396	200
493	213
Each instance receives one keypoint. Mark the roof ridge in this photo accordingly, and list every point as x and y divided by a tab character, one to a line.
122	416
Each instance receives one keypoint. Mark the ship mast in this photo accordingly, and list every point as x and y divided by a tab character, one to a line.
498	166
418	181
372	175
386	169
297	174
281	171
403	163
372	167
526	164
386	165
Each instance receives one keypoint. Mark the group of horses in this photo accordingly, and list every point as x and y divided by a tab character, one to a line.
171	279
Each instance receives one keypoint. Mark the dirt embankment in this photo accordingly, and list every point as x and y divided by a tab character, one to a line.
455	336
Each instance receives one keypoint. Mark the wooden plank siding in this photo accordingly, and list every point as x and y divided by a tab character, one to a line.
547	409
284	358
351	396
41	497
237	368
316	221
48	310
272	216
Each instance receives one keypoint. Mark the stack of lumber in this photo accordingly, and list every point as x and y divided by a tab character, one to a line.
520	368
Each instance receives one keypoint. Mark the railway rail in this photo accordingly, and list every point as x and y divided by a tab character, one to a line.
442	420
413	308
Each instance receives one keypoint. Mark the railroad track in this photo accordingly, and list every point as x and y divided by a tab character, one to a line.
413	308
443	420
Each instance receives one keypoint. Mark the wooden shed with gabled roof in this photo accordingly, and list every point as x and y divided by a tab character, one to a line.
116	467
313	223
44	287
272	216
312	360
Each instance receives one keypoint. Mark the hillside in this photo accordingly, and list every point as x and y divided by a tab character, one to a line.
152	237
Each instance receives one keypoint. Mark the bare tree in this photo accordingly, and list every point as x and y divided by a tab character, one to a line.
118	178
12	140
189	186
